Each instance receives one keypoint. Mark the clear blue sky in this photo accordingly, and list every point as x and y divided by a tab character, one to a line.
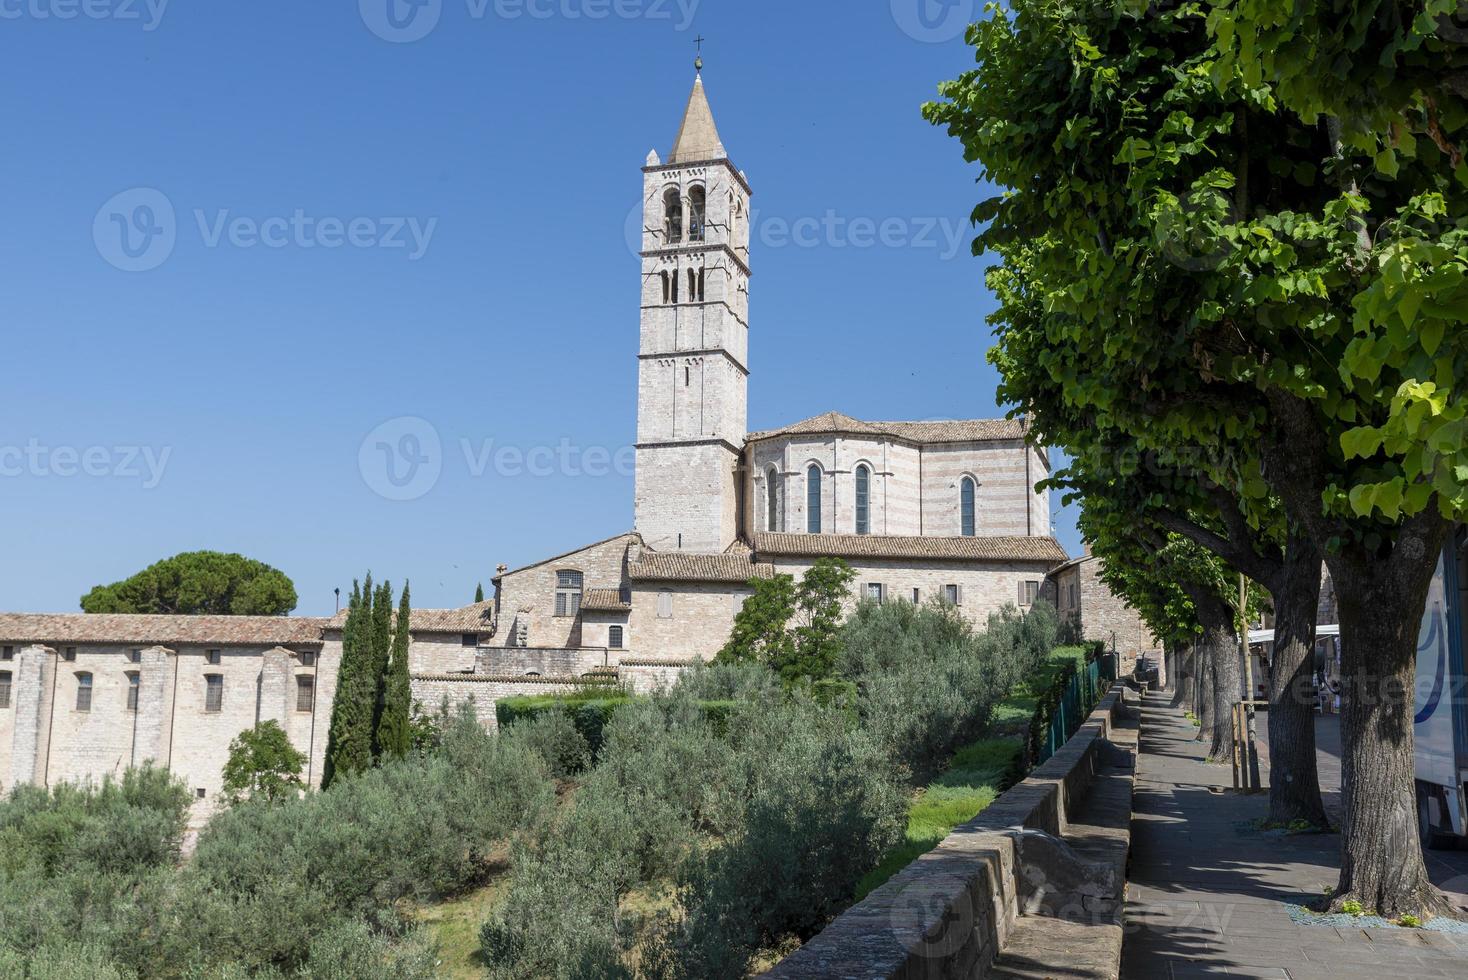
219	398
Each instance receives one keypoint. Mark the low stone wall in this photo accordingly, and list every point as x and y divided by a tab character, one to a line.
951	912
545	661
485	690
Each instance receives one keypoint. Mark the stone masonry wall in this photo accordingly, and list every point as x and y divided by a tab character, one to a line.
602	566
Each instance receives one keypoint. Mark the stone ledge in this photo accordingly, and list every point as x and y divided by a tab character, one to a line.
955	911
601	680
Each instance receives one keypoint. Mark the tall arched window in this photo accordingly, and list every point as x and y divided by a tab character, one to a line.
772	500
84	691
813	499
696	210
700	285
674	277
966	507
672	216
667	288
693	286
863	500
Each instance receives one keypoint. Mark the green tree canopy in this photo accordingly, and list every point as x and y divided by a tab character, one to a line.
198	583
762	628
263	765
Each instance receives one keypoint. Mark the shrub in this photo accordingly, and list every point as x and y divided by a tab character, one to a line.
552	736
823	805
729	682
589	710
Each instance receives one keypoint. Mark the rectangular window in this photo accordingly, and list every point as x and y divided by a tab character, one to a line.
568	593
470	639
4	689
305	694
84	692
953	594
1028	593
308	659
69	654
665	604
199	793
212	657
213	692
135	656
917	597
133	681
614	637
875	591
7	653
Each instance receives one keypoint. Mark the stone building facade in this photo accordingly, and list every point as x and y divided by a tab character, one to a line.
84	697
1083	598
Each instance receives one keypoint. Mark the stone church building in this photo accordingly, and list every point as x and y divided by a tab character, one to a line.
921	511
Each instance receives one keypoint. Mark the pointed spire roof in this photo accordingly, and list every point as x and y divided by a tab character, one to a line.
698	137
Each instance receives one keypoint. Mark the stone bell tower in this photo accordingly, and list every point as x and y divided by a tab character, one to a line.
692	365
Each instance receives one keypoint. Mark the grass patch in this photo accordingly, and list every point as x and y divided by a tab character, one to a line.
1012	715
454	924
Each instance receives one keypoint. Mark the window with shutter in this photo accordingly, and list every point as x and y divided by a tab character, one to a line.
84	692
213	693
951	593
4	689
665	604
305	694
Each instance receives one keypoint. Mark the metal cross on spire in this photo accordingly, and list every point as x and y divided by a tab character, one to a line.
698	62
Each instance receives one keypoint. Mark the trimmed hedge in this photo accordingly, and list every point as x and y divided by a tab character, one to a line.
591	715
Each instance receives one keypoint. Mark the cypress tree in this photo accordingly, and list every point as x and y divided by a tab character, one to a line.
349	743
394	732
380	652
479	593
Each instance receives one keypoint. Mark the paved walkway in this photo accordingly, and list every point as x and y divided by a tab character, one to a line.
1206	894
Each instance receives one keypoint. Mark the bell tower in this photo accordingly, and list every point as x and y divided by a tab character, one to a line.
692	363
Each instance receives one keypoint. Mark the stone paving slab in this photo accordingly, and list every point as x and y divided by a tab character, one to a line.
1206	894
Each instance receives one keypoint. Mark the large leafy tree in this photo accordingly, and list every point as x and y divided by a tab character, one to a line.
198	583
793	628
263	765
1204	248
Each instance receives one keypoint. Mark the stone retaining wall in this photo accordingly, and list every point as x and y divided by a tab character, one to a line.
950	912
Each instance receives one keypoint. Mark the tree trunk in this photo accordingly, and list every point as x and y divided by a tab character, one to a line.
1294	785
1186	677
1203	709
1221	640
1381	607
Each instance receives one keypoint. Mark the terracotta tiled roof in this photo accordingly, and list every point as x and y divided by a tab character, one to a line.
605	600
880	546
671	566
170	631
962	430
468	619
